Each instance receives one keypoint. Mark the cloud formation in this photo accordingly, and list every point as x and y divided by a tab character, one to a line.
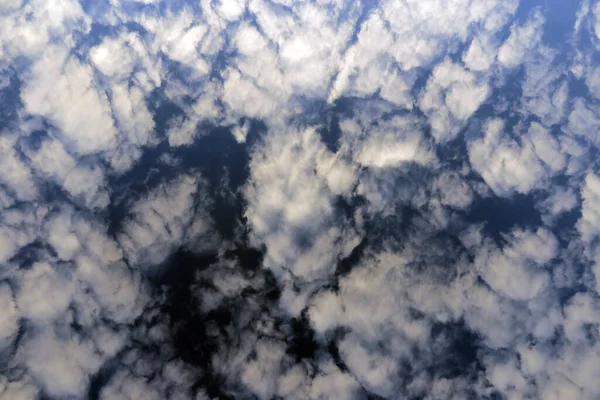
280	199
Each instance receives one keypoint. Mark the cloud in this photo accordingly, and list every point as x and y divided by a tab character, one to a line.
52	161
15	174
509	274
294	181
114	58
27	30
62	365
450	98
392	144
589	225
521	38
164	220
62	90
9	321
43	294
582	121
545	92
453	190
385	157
481	54
507	166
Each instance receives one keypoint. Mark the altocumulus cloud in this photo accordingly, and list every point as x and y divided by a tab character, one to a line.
329	199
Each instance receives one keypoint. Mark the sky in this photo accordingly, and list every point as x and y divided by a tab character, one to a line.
285	199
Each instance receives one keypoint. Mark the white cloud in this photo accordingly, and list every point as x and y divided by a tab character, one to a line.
560	201
245	98
398	314
118	291
133	120
450	98
52	161
29	30
333	384
509	272
15	173
423	31
596	13
114	58
18	229
231	9
294	179
522	38
481	54
386	144
9	318
375	371
63	90
17	389
62	365
583	122
589	224
43	293
507	166
182	131
164	220
259	373
11	4
182	38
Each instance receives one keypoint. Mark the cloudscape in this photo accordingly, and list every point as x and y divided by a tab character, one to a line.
299	199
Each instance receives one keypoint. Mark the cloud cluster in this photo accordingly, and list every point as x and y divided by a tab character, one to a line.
410	191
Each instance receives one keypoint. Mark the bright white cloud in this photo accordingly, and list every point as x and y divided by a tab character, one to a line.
450	98
507	166
589	224
62	89
16	175
522	38
43	293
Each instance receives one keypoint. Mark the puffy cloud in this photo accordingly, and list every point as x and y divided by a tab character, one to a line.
509	272
28	30
589	224
9	321
16	175
294	181
62	365
170	216
559	202
87	183
583	122
392	144
521	39
480	55
19	228
62	89
43	294
355	269
450	98
507	166
423	31
113	58
596	13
